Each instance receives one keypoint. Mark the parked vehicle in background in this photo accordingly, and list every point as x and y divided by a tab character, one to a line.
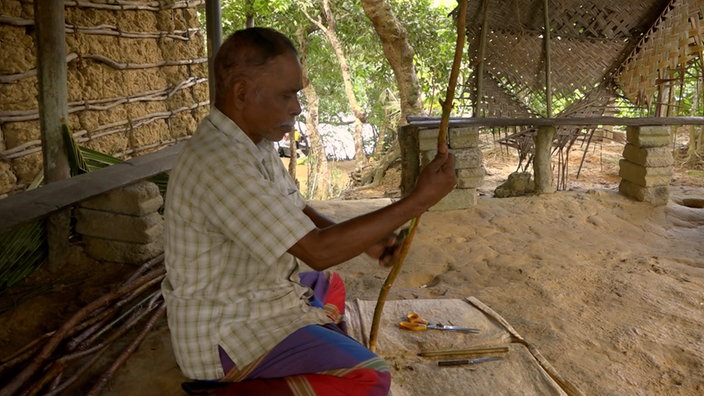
302	145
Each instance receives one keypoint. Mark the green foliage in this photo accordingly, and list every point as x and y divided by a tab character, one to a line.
430	32
22	249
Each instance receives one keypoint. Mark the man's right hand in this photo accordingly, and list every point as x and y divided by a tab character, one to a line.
437	178
330	244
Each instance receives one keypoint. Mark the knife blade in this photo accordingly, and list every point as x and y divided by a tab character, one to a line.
461	362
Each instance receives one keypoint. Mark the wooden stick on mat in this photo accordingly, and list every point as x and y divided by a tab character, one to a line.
567	386
442	141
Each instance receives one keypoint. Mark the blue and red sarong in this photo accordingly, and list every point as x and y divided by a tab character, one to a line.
313	360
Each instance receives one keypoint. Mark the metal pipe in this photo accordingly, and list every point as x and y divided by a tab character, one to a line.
213	27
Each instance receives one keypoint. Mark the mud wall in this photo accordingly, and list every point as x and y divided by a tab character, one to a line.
137	80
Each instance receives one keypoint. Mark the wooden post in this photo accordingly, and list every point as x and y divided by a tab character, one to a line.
213	26
53	110
548	80
542	167
410	157
480	58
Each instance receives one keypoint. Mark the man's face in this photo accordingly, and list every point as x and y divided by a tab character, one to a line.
271	102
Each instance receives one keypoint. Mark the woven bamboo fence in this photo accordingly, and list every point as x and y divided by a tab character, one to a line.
671	43
597	50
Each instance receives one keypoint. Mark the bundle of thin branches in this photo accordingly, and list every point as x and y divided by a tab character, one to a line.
62	358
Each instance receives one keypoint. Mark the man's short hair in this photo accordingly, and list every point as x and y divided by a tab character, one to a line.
243	52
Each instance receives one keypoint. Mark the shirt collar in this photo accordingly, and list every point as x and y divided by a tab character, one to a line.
229	128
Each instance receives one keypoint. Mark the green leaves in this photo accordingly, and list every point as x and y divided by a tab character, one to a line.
22	250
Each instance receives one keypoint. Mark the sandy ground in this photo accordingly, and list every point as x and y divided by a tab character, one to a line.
610	290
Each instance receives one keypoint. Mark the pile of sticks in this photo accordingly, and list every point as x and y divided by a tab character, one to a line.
68	356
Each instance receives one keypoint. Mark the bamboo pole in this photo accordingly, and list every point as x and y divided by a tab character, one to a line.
442	141
481	56
543	139
548	66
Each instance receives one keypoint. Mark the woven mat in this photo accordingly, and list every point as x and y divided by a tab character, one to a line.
521	371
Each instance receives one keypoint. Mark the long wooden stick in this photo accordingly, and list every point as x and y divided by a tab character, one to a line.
442	140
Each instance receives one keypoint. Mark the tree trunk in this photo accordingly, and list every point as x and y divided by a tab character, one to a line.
399	53
319	177
359	114
249	18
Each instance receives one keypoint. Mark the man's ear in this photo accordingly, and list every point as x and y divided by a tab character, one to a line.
239	93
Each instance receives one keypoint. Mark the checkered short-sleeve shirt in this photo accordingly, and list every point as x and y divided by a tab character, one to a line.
232	212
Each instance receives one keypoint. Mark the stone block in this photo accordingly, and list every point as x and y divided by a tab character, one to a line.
136	199
464	158
463	138
470	177
658	196
120	227
427	139
427	144
122	252
428	134
457	199
654	156
648	136
645	176
468	158
469	182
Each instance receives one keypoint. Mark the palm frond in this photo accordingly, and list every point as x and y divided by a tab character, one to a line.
76	161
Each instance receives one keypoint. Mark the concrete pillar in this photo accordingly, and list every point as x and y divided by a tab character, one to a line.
646	167
123	225
464	144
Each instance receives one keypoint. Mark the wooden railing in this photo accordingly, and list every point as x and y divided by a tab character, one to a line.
43	201
422	122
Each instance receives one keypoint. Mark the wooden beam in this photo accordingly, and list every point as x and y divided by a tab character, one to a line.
434	122
35	204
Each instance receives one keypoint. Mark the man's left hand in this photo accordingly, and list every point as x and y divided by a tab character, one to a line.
388	249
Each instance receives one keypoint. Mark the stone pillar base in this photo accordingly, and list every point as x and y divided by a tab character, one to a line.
123	225
646	167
